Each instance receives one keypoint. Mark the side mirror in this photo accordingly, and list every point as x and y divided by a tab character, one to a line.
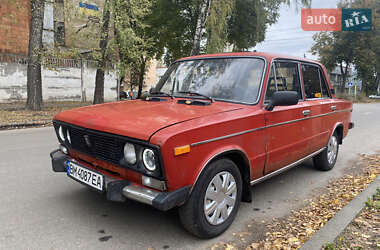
282	98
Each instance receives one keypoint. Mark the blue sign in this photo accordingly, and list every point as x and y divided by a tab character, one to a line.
356	19
349	84
88	6
88	9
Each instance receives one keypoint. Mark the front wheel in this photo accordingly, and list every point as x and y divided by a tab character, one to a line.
214	201
327	158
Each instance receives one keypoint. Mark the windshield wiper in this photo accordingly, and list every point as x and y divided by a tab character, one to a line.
198	94
161	93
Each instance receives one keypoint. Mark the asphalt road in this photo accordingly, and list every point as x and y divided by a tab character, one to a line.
40	209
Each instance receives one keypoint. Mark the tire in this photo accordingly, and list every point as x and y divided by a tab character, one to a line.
221	214
326	160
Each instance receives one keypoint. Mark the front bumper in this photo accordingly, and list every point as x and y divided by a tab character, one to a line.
120	190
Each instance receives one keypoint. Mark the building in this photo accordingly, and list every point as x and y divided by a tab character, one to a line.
336	79
77	23
67	24
14	27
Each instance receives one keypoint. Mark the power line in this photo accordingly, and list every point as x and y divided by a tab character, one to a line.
287	39
294	28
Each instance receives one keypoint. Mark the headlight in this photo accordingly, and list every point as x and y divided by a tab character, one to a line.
149	159
129	153
68	136
60	132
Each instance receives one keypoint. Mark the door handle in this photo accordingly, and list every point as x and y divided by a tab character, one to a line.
333	108
306	112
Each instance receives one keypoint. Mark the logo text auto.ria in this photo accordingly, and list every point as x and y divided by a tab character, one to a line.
336	19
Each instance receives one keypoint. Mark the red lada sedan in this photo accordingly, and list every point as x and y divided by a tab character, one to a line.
213	126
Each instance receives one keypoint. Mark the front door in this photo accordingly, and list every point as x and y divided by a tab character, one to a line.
287	127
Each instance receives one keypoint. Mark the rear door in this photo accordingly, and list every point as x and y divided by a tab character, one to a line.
286	126
321	105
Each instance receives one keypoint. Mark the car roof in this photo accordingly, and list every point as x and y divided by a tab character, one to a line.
268	56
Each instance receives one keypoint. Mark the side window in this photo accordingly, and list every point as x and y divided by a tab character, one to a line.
283	77
325	92
314	82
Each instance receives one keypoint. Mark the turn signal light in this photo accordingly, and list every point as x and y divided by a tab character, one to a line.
182	150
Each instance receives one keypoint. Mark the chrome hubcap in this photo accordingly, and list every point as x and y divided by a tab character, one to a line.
220	198
332	149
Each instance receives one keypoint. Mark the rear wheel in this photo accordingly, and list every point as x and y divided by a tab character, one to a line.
214	201
327	158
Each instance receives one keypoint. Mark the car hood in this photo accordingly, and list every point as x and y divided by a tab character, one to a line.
139	119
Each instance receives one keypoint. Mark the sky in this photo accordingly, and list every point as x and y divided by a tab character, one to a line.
287	37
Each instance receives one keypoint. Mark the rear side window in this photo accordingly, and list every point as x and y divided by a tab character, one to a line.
283	77
314	82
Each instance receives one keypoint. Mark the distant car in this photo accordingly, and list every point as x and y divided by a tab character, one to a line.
213	126
128	95
374	96
123	95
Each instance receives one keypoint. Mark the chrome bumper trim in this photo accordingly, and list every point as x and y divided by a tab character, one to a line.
140	194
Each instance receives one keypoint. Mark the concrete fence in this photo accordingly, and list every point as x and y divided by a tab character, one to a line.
62	79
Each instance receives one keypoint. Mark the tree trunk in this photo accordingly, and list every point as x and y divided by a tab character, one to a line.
99	80
141	77
34	80
201	22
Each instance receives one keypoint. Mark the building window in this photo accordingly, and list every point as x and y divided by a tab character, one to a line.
59	33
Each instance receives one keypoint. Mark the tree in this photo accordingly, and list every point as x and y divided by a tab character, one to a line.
249	22
367	49
183	28
172	26
335	49
99	80
217	25
34	80
352	48
204	7
133	41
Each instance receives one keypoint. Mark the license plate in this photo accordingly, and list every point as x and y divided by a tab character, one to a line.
85	175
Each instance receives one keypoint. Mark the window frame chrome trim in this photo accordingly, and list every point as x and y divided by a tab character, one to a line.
324	78
274	60
226	57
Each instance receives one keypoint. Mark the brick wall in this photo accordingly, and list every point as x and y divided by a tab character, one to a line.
14	26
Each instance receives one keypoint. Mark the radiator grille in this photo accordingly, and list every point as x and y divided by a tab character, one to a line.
107	147
99	145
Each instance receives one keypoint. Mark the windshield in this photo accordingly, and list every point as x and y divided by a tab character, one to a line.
229	79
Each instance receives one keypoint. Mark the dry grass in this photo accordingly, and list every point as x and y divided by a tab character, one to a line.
14	115
364	231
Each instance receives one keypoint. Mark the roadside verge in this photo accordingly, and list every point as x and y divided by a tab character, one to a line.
301	225
342	219
15	116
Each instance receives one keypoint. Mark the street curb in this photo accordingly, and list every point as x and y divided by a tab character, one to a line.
334	227
23	125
